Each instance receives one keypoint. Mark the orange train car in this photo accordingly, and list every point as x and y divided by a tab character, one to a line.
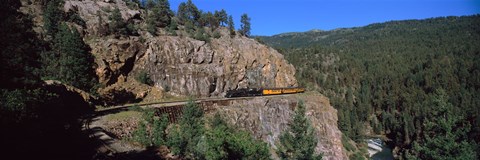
250	92
276	91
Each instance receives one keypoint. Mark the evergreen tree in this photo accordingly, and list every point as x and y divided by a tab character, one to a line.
188	139
160	16
117	25
155	135
33	119
141	134
299	141
172	27
165	14
208	20
181	12
152	21
245	25
70	60
222	17
52	17
188	12
445	133
160	124
224	142
231	26
149	5
19	53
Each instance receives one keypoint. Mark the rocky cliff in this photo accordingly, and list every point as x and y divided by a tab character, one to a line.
179	65
185	66
267	117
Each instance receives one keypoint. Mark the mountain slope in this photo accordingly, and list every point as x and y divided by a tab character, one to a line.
386	79
390	31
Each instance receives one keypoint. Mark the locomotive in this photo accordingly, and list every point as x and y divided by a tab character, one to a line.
251	92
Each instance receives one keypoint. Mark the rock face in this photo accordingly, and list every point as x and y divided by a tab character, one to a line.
267	117
178	64
191	67
186	66
95	13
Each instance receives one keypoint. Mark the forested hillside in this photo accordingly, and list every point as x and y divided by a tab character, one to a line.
416	82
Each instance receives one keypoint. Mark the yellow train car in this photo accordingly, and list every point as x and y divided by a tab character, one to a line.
272	91
276	91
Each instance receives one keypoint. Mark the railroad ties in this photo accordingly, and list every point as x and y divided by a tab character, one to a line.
174	110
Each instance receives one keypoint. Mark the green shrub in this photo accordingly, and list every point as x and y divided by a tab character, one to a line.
144	77
155	135
224	142
217	34
201	35
141	135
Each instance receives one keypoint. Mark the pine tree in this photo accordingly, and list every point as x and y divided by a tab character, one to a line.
187	140
172	27
231	26
150	4
445	133
165	14
245	25
19	53
181	12
224	142
299	141
188	12
152	21
160	124
117	25
159	15
222	17
52	17
69	61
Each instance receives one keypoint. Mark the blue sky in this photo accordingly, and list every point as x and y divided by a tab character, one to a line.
271	17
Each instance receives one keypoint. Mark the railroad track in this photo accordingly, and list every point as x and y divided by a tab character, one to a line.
169	103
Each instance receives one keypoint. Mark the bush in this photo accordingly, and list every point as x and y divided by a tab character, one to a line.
187	139
224	142
151	130
140	135
172	27
216	34
144	77
132	29
201	35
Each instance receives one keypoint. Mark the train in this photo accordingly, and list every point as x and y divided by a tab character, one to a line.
251	92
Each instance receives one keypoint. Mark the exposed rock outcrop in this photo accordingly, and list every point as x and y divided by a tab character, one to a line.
95	13
62	89
179	64
186	66
267	117
191	67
